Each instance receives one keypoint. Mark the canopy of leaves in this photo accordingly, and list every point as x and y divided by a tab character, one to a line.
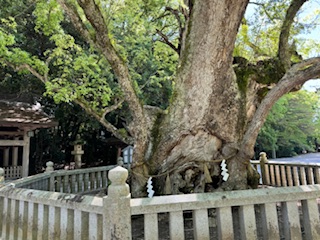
36	37
72	70
258	36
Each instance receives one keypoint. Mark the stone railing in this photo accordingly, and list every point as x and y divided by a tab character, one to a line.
67	181
12	172
33	214
268	213
280	174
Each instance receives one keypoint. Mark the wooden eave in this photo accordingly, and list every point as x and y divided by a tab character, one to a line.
23	116
27	126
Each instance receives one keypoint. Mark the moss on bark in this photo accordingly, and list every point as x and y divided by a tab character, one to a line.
269	71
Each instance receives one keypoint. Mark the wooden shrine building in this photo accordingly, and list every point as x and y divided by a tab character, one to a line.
17	124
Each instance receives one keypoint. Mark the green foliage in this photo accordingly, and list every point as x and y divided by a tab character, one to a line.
72	70
37	33
49	15
259	32
82	74
152	64
291	124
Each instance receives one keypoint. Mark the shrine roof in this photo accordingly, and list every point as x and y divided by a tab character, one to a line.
24	116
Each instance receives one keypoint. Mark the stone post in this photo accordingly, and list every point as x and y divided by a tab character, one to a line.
1	175
264	171
120	161
49	167
77	152
116	206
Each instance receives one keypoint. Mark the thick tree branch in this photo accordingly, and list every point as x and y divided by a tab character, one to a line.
284	48
71	11
103	43
296	75
112	108
109	127
30	69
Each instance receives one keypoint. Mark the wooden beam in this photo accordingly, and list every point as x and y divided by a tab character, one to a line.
11	143
15	153
25	156
6	157
13	133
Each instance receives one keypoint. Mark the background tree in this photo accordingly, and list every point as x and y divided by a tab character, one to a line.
218	103
291	125
56	144
50	145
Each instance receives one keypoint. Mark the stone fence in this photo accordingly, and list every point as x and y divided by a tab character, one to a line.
80	181
267	213
280	174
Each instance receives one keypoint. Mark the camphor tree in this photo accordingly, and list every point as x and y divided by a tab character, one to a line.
218	102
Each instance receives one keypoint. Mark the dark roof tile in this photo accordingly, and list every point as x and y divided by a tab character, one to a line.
23	115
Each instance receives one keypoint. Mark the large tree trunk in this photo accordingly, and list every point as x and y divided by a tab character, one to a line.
208	114
214	115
